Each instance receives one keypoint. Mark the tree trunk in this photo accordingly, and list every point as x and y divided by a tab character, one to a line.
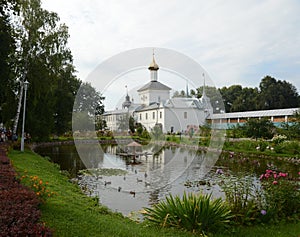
19	109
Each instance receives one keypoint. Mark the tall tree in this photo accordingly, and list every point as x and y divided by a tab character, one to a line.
8	8
229	95
246	100
259	128
277	94
46	62
87	107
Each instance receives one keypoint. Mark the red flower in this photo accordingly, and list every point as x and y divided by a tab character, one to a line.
275	182
282	174
262	176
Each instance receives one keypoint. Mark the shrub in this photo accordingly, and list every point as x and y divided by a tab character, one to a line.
288	147
193	212
241	196
282	195
292	147
204	141
18	205
262	145
277	139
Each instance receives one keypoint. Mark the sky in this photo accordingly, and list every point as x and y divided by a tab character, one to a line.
236	42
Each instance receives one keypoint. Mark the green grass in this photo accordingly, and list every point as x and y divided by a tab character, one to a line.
71	213
278	230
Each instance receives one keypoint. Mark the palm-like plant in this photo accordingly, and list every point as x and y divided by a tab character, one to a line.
192	212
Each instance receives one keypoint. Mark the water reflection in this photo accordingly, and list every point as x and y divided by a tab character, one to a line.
162	171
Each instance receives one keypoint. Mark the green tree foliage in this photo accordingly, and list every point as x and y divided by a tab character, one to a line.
67	87
131	124
291	128
277	94
7	49
100	123
46	62
126	123
259	128
87	108
33	47
213	94
123	123
271	94
157	132
229	95
182	93
236	98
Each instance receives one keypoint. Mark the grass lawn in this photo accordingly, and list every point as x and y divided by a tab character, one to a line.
71	213
278	230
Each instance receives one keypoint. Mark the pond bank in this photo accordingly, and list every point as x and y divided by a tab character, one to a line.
123	141
71	212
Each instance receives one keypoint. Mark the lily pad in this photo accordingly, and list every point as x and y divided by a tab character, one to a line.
103	171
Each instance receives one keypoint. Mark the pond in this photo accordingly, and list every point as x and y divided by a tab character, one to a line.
127	187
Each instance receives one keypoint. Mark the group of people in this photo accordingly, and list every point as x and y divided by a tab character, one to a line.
7	135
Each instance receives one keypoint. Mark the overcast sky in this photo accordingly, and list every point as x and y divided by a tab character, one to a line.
236	42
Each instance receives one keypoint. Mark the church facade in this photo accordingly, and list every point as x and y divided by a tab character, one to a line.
156	107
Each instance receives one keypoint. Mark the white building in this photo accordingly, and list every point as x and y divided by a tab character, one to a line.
157	108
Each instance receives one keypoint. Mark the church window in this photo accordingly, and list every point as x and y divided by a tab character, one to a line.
160	114
185	115
153	115
140	116
146	115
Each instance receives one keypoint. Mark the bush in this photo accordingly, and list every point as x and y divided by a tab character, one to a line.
240	193
204	141
262	145
192	212
18	204
288	147
282	195
277	139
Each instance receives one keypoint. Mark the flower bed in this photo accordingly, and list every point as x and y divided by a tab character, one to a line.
19	213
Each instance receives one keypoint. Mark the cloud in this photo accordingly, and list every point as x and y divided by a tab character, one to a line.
237	42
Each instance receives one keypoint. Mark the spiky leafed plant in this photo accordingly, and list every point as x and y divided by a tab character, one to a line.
192	212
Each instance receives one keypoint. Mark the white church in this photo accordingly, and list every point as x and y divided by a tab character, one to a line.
158	108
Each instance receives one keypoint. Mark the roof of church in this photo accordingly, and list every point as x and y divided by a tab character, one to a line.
153	65
177	103
153	105
131	108
184	103
154	85
127	102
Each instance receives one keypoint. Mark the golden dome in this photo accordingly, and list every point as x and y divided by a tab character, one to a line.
153	65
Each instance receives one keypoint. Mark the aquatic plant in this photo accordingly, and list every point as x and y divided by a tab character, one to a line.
103	171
